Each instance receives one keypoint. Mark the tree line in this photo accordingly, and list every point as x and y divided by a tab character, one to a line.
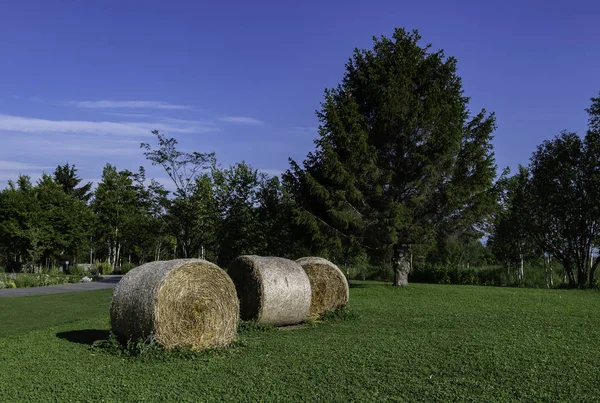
402	173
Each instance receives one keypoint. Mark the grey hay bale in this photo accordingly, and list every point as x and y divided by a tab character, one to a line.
328	284
271	290
188	303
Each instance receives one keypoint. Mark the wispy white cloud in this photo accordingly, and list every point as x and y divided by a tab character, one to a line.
35	125
20	166
128	115
241	120
10	170
34	98
70	145
107	104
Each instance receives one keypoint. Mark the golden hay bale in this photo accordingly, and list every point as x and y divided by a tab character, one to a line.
188	303
328	284
271	290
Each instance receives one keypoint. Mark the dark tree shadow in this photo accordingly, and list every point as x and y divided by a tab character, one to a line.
87	336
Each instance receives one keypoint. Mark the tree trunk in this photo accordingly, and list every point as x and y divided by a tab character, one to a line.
520	269
110	253
118	257
592	280
401	265
569	271
582	275
548	272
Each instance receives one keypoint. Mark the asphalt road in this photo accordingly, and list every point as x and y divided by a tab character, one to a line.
108	281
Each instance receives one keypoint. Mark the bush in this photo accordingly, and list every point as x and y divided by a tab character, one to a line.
77	270
53	271
23	280
104	268
126	267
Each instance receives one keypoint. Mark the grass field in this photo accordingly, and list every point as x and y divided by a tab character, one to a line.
422	343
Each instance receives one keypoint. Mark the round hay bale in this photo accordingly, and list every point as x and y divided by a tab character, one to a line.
271	290
188	303
328	284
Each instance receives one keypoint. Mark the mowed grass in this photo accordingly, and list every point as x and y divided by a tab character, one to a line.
422	343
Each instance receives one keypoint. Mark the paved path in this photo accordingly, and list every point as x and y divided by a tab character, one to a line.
108	281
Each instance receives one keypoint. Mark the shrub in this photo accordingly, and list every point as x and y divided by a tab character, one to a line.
126	267
23	280
77	270
53	271
104	268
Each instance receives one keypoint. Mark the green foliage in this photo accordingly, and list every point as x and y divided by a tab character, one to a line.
24	280
239	230
467	343
66	176
126	268
42	223
104	268
551	208
53	271
5	283
76	270
192	209
397	160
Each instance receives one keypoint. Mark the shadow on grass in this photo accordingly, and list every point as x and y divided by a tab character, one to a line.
87	336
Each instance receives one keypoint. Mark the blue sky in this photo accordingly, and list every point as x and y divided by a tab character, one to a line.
85	82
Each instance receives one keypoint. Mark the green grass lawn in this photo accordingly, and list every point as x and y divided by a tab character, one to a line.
422	343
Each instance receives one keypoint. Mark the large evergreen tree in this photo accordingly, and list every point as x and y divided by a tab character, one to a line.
397	158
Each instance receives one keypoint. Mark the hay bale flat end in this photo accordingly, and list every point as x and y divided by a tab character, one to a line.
189	303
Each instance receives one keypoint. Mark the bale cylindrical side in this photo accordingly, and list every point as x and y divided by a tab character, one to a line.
328	285
188	303
271	290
